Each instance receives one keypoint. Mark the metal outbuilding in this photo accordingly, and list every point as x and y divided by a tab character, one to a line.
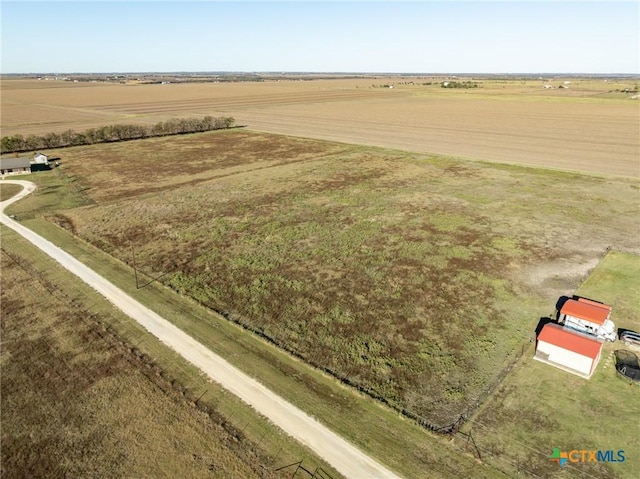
591	311
568	350
14	166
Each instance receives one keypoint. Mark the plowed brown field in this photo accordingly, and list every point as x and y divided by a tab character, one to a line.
584	127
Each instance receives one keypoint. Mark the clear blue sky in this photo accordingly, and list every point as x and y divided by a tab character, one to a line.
330	36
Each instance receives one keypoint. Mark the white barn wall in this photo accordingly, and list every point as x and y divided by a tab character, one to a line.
569	360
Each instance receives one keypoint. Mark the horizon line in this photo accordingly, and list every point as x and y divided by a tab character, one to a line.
303	72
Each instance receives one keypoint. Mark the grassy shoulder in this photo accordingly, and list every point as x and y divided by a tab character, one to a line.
539	407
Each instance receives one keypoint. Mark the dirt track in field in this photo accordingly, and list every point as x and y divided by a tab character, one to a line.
566	129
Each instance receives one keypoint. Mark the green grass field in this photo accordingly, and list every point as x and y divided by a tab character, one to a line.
7	191
396	272
404	446
416	278
539	407
410	276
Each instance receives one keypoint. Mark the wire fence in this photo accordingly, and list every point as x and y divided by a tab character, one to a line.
262	441
74	185
214	401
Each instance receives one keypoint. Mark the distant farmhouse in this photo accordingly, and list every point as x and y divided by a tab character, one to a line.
15	166
23	165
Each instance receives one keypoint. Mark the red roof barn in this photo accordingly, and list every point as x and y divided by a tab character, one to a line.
569	350
587	310
595	303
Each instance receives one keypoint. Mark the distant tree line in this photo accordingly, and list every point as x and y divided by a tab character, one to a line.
112	133
456	84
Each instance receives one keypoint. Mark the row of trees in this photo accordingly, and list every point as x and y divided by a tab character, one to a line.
457	84
112	133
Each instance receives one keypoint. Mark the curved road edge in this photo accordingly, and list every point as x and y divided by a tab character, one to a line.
342	455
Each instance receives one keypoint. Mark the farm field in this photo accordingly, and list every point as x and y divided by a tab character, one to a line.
77	401
414	277
539	407
405	446
589	126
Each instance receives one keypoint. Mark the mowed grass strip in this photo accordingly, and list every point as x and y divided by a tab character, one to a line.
539	407
78	401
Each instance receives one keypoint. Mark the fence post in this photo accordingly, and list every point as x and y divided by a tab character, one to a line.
277	454
297	468
201	396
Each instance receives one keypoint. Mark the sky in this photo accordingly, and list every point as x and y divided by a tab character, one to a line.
329	36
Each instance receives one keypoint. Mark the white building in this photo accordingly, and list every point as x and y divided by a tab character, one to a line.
568	350
40	159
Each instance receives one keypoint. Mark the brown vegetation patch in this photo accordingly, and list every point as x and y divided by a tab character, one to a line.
115	171
78	401
63	221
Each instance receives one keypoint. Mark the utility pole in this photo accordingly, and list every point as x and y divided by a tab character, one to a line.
135	270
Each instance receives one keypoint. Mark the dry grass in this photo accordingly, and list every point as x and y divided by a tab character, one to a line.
410	276
405	447
187	160
77	401
588	127
8	191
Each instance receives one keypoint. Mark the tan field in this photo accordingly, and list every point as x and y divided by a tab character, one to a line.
590	126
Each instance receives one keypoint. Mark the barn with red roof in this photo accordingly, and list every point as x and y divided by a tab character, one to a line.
586	310
568	350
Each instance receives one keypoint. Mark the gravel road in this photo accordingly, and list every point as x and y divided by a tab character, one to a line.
342	455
